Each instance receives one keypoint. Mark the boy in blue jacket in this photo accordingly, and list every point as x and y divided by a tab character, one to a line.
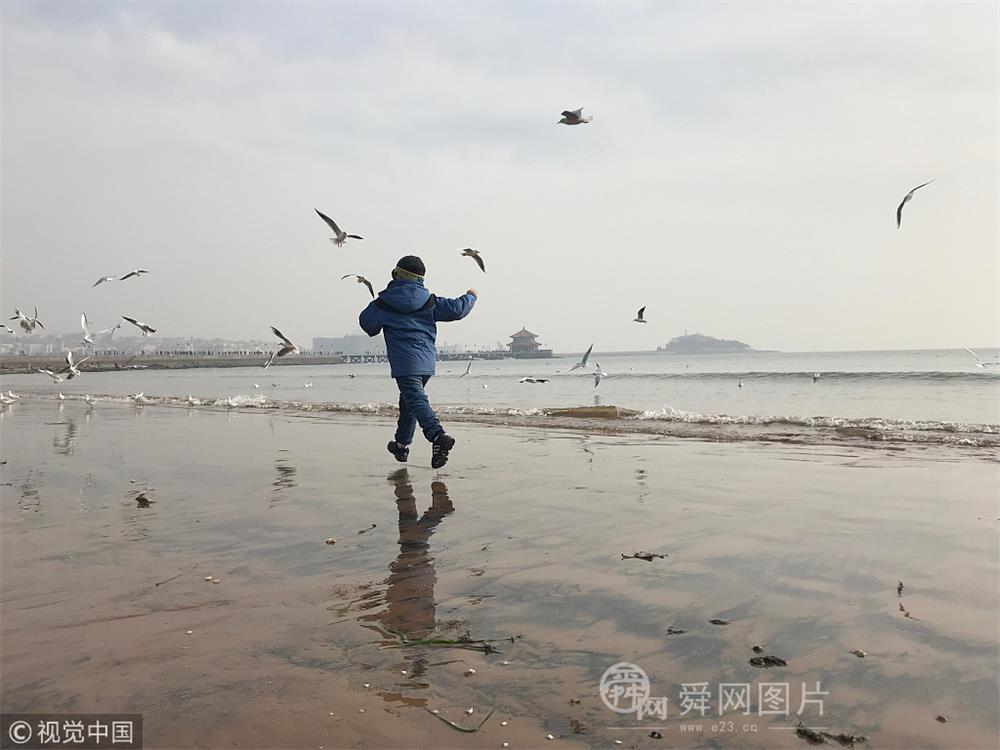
408	315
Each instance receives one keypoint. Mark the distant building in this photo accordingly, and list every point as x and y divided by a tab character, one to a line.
524	344
349	344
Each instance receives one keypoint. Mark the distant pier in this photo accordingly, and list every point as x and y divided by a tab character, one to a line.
357	359
15	364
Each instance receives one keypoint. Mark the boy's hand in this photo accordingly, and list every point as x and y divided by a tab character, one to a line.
473	292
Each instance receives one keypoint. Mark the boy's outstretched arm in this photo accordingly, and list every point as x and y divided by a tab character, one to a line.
455	309
370	320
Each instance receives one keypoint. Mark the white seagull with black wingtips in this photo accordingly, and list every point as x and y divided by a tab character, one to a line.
144	327
340	236
474	254
574	117
979	360
360	280
582	362
906	199
288	348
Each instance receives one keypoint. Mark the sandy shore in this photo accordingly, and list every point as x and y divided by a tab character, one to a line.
798	548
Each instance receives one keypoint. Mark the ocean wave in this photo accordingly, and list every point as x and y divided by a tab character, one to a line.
669	414
668	421
934	376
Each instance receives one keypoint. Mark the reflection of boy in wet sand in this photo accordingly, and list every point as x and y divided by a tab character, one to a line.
410	596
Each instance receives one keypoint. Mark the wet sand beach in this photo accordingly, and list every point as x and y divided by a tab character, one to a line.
113	517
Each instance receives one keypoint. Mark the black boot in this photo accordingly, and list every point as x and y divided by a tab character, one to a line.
399	452
439	452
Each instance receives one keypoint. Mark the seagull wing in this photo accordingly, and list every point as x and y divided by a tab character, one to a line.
83	324
367	283
269	360
572	112
133	321
82	361
978	358
479	260
281	336
586	356
642	311
899	212
129	275
100	281
355	236
923	184
329	222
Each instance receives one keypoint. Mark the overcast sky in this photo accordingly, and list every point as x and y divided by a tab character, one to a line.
740	177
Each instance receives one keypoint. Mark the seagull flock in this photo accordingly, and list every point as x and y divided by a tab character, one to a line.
339	238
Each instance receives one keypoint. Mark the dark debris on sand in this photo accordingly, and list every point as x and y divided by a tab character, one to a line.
768	661
821	738
718	621
647	556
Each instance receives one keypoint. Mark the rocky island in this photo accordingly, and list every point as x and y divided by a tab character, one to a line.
698	343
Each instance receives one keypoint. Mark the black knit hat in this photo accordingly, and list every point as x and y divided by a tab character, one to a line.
411	265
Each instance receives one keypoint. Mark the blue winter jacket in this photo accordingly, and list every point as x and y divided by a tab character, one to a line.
408	315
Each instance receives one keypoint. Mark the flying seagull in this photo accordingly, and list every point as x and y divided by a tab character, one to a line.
71	367
56	378
474	254
22	320
979	360
907	199
582	362
361	280
88	338
574	117
639	318
597	377
288	348
340	236
102	280
467	369
27	324
136	273
144	327
533	380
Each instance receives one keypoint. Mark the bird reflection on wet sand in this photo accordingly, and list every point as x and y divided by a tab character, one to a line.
286	477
